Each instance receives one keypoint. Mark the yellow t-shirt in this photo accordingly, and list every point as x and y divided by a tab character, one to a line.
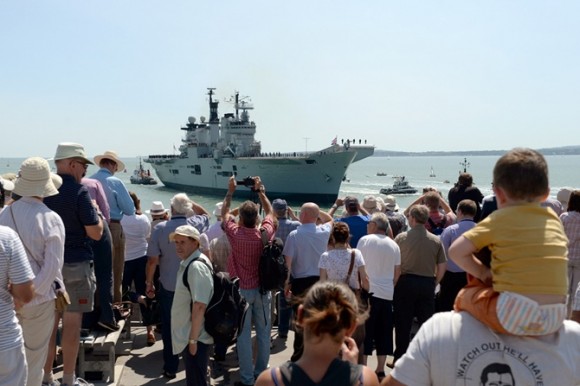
528	249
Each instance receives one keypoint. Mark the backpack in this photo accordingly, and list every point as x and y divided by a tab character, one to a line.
226	310
438	228
272	269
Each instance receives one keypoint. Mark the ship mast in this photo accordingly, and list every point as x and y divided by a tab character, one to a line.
213	106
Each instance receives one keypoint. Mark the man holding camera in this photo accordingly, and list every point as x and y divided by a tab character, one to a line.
356	217
246	243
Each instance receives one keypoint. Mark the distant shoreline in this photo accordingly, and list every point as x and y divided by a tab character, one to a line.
565	150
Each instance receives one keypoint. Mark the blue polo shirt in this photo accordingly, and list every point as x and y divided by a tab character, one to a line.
73	205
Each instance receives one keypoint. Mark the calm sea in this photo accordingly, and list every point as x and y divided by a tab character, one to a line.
362	176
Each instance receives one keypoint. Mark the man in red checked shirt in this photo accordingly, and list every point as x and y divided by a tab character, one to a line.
246	242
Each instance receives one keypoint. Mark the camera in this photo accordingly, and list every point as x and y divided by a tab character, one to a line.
248	182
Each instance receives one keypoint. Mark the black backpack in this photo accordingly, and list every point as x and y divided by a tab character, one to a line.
226	311
438	228
272	270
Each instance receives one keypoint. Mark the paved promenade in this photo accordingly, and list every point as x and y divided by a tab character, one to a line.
141	365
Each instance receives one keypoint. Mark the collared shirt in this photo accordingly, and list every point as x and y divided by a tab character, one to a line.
200	282
421	251
246	244
42	232
73	205
304	246
98	194
571	221
449	235
120	201
285	226
15	269
137	230
159	245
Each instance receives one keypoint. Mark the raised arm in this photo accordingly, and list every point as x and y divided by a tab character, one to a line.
228	199
266	205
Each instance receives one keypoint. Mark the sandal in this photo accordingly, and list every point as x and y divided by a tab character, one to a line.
150	338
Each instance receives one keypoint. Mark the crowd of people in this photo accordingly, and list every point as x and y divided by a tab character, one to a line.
372	279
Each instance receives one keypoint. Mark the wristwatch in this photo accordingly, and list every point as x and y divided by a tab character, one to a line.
192	341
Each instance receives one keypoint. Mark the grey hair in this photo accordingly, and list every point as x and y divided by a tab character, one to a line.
180	204
381	220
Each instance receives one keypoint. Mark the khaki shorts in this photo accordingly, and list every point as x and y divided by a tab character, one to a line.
80	283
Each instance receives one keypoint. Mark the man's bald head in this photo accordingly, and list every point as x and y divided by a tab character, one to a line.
309	213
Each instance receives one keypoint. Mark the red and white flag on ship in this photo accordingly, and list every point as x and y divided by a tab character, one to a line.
334	140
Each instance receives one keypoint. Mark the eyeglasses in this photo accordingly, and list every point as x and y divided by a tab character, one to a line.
84	165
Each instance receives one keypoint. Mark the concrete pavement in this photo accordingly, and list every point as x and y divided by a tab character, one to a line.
140	365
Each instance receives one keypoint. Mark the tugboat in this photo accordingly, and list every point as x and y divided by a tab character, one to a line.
400	186
142	177
215	149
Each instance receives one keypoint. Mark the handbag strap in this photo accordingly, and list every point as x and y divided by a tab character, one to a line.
23	243
350	267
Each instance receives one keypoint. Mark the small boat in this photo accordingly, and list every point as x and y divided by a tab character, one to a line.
400	186
432	174
381	174
141	176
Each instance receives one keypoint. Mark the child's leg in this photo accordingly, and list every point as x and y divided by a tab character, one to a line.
481	302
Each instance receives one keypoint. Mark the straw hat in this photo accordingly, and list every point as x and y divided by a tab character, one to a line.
36	180
371	204
391	203
187	231
112	155
67	150
157	208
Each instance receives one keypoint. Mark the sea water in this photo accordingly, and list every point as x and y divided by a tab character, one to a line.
362	179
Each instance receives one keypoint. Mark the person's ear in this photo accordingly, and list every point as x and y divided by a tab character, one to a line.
300	315
350	331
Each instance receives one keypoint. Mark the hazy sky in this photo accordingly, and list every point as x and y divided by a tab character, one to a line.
405	75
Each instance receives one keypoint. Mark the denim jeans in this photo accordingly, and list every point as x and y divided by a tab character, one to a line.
259	314
170	361
284	315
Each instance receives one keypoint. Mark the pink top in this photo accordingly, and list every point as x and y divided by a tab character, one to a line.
98	194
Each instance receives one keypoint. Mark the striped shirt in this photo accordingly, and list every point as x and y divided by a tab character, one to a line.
14	268
42	232
247	248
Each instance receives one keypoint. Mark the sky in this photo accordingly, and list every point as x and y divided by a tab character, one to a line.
404	75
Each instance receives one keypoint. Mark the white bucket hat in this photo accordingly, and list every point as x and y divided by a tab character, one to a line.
68	150
157	208
187	231
36	180
112	155
7	184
